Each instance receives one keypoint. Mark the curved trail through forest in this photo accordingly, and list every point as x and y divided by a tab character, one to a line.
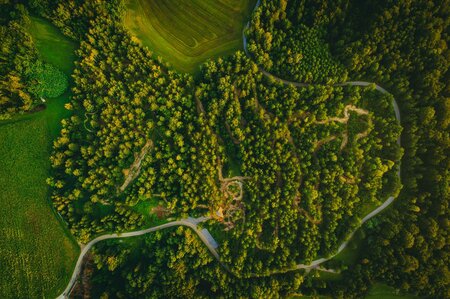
193	222
316	263
189	222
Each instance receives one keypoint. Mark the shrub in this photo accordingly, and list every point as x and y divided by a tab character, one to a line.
45	80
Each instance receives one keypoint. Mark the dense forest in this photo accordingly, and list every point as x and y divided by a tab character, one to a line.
174	145
403	46
171	264
311	160
284	172
282	41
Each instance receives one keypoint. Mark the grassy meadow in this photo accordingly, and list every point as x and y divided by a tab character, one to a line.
186	33
377	291
37	253
382	291
53	47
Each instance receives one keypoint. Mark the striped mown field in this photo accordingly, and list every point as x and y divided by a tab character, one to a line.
185	33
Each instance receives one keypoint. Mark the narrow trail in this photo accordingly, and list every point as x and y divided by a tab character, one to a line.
135	168
316	263
189	222
343	120
86	120
206	238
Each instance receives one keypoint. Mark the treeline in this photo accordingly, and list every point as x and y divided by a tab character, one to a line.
174	263
74	17
403	46
285	44
24	79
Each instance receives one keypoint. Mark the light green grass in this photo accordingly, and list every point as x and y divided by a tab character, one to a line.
144	207
349	255
377	291
53	47
231	167
37	253
186	33
328	276
382	291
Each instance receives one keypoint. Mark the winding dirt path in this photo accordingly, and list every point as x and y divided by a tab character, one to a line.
135	168
344	120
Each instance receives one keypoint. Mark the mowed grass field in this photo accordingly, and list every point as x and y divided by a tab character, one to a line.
186	33
37	253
